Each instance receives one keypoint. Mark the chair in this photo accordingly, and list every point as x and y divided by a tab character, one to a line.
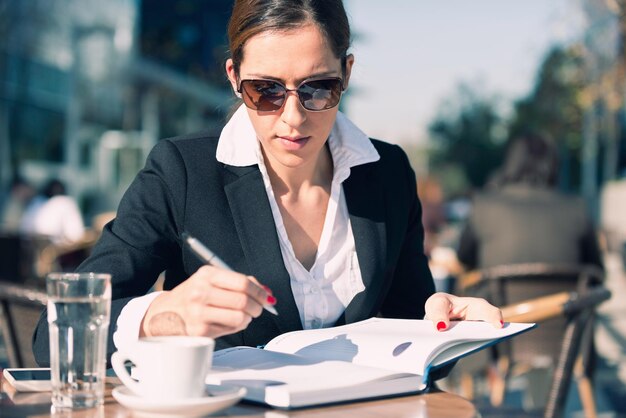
20	308
18	255
577	308
537	350
55	257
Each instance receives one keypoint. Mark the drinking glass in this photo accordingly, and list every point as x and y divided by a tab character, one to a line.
79	310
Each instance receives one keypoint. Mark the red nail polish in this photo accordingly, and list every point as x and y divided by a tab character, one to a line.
441	325
501	323
271	300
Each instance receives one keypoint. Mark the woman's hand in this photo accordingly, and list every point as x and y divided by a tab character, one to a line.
441	308
212	302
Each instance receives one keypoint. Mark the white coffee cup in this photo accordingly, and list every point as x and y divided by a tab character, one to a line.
167	368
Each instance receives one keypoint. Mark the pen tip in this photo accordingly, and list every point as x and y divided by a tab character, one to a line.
271	309
185	235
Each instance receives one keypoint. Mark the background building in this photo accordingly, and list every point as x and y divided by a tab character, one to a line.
87	87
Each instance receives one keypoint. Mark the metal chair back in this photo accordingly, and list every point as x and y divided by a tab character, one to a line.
20	308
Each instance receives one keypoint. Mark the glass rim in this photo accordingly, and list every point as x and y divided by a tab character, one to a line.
77	276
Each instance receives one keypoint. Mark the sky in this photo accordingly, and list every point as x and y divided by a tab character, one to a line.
410	55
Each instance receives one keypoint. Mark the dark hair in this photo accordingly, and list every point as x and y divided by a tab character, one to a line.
251	17
531	159
53	188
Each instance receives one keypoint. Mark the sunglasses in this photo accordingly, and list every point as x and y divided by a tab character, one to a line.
270	96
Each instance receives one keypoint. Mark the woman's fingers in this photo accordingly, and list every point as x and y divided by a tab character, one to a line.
231	281
441	308
211	302
214	322
232	300
438	310
477	309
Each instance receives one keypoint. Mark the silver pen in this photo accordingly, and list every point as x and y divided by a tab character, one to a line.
209	257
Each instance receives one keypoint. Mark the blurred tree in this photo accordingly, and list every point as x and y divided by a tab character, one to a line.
604	50
554	108
468	135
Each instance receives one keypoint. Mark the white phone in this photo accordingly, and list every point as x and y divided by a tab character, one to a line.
28	380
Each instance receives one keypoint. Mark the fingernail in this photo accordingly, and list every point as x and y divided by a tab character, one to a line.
501	323
271	300
267	289
441	325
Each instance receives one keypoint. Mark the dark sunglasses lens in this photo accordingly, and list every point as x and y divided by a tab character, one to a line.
320	94
263	95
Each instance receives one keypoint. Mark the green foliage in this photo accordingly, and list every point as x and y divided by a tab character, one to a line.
553	107
468	136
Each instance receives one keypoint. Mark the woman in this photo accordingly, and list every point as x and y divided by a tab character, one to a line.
291	195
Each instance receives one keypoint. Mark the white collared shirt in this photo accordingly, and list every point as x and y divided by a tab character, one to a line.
323	292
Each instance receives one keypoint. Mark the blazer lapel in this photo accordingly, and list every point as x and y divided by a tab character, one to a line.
255	227
366	205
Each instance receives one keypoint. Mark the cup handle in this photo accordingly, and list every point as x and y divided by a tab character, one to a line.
117	361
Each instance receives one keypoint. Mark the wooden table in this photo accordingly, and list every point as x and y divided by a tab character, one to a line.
435	404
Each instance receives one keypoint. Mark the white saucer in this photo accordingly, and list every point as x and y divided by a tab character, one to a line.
193	407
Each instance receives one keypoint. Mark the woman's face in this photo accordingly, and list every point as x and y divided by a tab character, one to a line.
291	136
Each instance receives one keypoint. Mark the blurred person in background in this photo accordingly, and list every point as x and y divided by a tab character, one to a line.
433	213
441	258
20	194
54	214
522	218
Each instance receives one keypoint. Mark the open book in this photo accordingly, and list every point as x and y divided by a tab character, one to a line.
374	358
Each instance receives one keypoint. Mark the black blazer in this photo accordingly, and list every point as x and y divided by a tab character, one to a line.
184	188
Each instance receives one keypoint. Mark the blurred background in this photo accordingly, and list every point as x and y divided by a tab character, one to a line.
88	87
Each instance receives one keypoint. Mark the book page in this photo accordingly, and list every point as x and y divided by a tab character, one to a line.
263	372
236	358
277	368
393	344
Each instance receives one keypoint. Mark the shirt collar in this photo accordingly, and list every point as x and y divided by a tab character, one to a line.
238	145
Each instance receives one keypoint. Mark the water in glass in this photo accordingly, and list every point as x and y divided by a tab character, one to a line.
78	335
